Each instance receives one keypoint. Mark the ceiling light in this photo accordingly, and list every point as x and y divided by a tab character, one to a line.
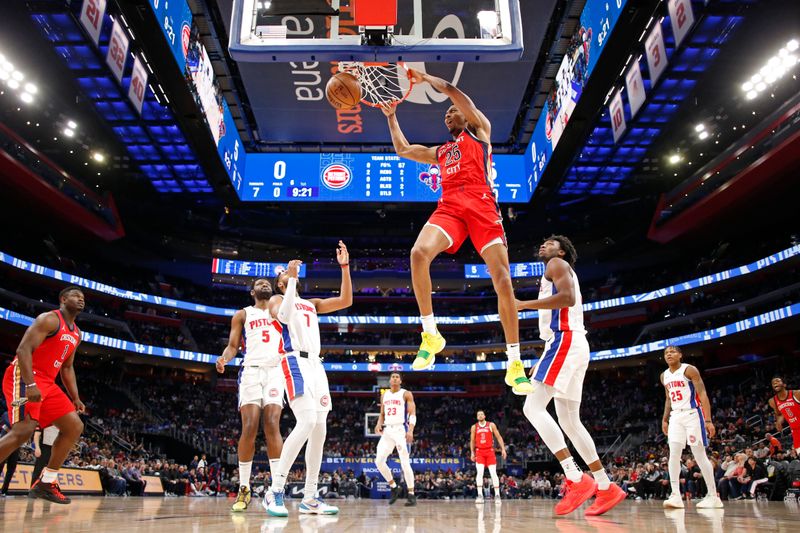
3	75
71	124
97	156
699	127
792	45
26	97
674	159
703	135
31	88
752	94
12	83
746	86
69	132
761	86
17	75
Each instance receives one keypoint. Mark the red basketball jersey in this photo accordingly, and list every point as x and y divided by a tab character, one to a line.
789	408
54	350
465	161
484	438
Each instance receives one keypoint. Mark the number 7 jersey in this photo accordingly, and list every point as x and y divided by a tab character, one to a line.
301	333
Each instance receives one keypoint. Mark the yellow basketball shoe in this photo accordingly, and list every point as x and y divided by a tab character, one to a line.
242	500
426	356
515	378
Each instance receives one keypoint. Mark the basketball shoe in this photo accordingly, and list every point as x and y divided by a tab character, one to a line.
48	491
273	503
606	500
317	506
673	502
411	501
515	378
395	494
242	500
430	346
576	493
711	501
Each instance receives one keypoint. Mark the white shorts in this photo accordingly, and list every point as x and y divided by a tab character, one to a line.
687	427
261	385
393	436
306	383
563	364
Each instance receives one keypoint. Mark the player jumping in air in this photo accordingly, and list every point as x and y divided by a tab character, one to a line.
261	382
467	208
559	374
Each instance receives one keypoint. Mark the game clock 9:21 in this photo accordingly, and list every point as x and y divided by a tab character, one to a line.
302	192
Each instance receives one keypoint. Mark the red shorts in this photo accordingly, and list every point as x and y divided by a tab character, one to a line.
469	212
485	457
795	436
53	406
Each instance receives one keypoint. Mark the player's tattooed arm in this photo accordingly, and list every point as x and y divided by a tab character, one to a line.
475	118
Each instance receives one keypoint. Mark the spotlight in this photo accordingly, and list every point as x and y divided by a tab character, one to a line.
69	132
13	84
31	88
674	159
699	127
751	94
703	135
17	75
97	156
71	125
747	86
792	45
26	97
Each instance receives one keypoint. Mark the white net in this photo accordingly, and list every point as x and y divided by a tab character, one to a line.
381	83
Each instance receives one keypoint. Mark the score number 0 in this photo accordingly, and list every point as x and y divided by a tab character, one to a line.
278	172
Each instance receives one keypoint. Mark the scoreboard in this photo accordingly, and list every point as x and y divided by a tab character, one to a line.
518	270
251	269
359	177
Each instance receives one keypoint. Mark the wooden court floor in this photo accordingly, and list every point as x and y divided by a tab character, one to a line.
195	515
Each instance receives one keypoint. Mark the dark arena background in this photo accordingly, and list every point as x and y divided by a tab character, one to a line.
163	155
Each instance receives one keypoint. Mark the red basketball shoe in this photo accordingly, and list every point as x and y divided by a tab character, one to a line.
575	494
48	491
606	500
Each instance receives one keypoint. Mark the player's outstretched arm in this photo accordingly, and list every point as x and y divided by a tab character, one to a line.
559	272
71	382
234	341
345	298
414	152
693	374
286	307
476	119
44	325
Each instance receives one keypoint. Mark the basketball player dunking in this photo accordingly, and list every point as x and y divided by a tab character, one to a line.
559	374
396	427
687	420
261	384
47	349
481	448
786	404
467	208
306	382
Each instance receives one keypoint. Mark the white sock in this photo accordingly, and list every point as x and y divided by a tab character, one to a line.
571	469
480	491
392	484
512	351
244	473
273	466
497	491
429	324
48	476
603	483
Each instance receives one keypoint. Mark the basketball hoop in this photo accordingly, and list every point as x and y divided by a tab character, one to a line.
381	83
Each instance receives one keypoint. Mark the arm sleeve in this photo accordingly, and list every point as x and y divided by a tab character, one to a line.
287	305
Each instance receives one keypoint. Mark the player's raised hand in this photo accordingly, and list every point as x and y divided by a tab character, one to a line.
416	76
220	364
342	255
388	109
293	268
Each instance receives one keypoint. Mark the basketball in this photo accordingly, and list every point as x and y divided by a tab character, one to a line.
343	91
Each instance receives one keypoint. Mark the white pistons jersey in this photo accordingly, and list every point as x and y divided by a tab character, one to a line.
301	333
262	344
680	389
394	408
552	321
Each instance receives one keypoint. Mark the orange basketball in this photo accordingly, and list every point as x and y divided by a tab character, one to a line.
343	91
